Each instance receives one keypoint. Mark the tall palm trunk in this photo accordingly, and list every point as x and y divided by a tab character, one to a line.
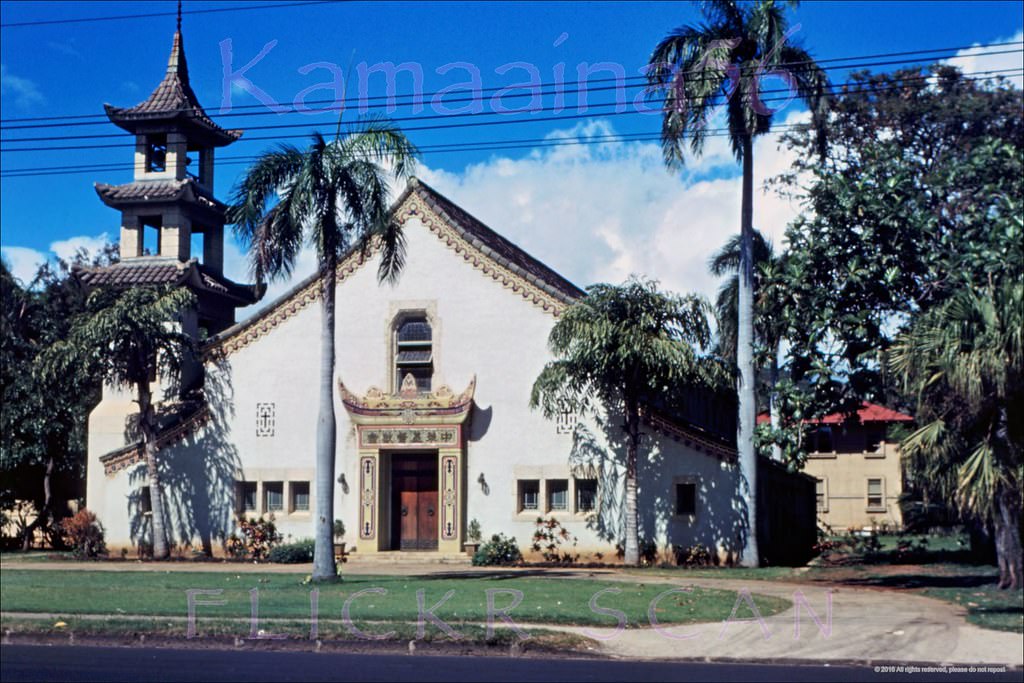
631	552
745	360
1008	543
326	437
147	424
773	399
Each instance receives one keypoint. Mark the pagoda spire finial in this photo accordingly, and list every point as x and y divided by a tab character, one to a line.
179	16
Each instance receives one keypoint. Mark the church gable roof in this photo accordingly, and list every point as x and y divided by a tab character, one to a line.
172	99
480	246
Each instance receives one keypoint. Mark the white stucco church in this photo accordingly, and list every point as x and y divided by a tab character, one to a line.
433	379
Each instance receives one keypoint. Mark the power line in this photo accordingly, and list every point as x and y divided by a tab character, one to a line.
471	124
101	119
150	15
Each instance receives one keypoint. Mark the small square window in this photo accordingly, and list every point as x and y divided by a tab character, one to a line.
876	494
247	496
686	498
300	496
273	496
529	494
586	495
822	440
558	494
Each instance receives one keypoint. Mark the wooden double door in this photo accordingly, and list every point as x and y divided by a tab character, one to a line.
414	511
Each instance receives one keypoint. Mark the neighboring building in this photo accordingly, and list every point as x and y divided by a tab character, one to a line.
857	470
433	380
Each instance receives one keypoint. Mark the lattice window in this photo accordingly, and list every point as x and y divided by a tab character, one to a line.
414	353
565	421
265	419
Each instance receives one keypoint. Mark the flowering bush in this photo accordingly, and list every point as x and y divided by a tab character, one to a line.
548	539
500	549
84	534
258	536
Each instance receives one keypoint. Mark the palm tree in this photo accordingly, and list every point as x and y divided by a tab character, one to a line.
127	341
964	361
768	329
617	348
334	195
697	67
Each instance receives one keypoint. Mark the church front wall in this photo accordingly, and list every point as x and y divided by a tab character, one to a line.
266	400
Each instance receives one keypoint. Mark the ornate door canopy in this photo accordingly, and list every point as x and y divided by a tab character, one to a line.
409	419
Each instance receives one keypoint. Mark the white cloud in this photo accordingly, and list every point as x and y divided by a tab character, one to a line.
69	248
24	91
23	262
971	61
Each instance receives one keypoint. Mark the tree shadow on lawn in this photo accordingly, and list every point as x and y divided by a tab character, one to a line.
915	581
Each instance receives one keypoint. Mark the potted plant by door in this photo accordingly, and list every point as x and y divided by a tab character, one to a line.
339	545
473	536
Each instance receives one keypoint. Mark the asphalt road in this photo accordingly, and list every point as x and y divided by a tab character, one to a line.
86	663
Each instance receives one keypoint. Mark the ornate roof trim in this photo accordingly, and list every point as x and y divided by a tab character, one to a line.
408	404
467	239
169	190
125	457
689	436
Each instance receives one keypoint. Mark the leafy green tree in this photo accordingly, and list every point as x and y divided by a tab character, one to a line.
43	423
898	216
333	194
128	339
617	348
696	67
964	362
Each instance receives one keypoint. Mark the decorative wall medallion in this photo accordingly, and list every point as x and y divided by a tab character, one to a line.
449	497
565	421
367	497
265	419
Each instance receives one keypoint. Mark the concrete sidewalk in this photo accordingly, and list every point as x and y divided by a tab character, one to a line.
867	624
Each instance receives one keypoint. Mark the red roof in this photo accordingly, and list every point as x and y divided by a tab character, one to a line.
868	412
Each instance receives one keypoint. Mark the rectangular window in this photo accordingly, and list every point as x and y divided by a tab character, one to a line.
414	353
873	442
273	496
822	440
156	153
686	498
247	496
300	496
558	494
529	494
876	495
586	495
821	494
145	501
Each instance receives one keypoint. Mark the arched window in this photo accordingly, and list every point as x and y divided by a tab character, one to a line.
414	352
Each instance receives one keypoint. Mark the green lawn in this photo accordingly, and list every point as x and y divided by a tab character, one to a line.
987	606
283	596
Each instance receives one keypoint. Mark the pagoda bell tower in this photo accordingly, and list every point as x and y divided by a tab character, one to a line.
170	202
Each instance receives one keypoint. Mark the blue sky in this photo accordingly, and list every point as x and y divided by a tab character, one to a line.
598	212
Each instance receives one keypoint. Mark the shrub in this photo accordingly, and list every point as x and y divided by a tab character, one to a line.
339	529
693	556
84	533
548	539
258	537
293	553
473	532
500	550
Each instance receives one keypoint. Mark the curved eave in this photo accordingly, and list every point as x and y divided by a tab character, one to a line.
129	119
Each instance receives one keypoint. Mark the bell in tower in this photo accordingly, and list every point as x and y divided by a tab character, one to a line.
171	199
